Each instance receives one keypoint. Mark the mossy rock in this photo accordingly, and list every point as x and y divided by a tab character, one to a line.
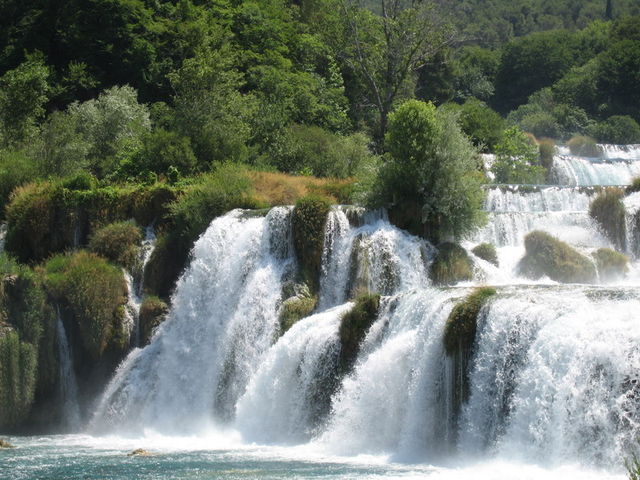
153	312
168	259
634	187
607	209
140	452
353	327
299	305
612	265
460	329
93	293
309	220
547	149
118	242
486	251
5	444
546	255
451	265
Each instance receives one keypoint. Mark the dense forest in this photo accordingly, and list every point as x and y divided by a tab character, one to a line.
174	112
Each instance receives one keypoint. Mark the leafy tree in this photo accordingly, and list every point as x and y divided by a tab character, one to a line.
620	129
517	159
430	172
481	123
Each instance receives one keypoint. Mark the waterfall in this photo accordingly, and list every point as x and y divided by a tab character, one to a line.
67	380
222	321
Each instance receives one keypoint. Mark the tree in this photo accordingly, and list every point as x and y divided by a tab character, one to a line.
430	179
385	51
517	159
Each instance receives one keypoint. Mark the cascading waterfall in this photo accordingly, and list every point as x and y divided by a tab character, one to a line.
68	385
552	376
616	165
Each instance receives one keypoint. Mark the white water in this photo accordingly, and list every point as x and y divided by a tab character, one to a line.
616	165
71	420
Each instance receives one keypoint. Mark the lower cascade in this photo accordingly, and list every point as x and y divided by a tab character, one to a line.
551	376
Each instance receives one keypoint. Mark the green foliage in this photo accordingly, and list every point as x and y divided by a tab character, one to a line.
486	251
451	265
517	159
18	374
546	255
619	129
481	123
23	94
430	178
634	187
16	169
607	209
633	468
353	327
153	311
546	149
92	293
460	329
309	219
296	307
477	68
611	265
118	242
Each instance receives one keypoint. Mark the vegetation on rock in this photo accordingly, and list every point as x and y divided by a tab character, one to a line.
153	311
611	265
118	242
354	325
451	265
609	213
460	329
547	256
309	219
486	251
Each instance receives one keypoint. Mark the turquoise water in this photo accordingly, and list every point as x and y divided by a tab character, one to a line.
81	457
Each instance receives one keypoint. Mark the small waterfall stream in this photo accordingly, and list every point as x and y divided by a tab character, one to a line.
71	419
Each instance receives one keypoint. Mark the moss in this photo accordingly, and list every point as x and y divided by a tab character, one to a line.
168	260
353	328
486	251
5	444
299	305
612	265
460	329
609	213
634	187
451	265
118	242
309	219
583	146
546	255
93	293
153	311
18	374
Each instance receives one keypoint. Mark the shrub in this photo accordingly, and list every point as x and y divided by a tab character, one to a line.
635	186
517	159
460	329
618	129
584	146
93	293
16	169
431	173
486	251
309	218
296	307
481	123
611	265
546	255
451	265
118	242
609	213
153	311
547	149
354	325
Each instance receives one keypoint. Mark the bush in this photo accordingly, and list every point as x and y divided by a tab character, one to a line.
607	209
517	159
353	327
451	265
481	123
547	149
93	294
16	169
486	251
460	329
611	265
634	187
619	129
430	180
583	146
296	307
119	243
546	255
309	219
153	311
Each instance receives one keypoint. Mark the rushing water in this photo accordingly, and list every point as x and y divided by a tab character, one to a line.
616	165
67	380
553	380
